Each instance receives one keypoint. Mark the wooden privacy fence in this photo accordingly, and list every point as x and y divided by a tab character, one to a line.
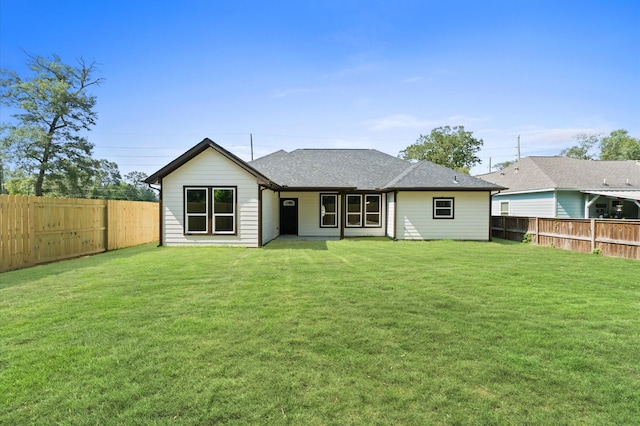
35	230
618	238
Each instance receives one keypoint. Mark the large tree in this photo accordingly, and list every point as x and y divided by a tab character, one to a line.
584	149
54	107
503	165
142	190
451	147
619	146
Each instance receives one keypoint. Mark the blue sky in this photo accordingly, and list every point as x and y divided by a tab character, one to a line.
340	74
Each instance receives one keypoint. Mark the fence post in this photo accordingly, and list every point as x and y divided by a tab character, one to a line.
593	234
106	225
31	219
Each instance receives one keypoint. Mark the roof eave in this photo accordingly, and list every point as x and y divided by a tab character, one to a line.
205	144
319	188
444	188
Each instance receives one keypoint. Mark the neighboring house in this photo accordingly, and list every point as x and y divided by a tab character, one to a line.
567	188
208	196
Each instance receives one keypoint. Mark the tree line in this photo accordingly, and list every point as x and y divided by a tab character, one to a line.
44	144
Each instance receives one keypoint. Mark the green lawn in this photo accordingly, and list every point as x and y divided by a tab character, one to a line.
365	331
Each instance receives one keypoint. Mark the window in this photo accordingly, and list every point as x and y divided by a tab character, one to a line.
223	211
354	210
504	208
443	208
196	207
367	214
328	210
210	210
372	209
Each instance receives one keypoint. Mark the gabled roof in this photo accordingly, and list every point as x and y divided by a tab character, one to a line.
336	169
543	173
427	175
198	149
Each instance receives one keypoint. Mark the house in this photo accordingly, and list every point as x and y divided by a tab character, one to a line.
564	187
209	196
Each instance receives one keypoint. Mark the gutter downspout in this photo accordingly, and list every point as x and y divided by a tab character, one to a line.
160	208
490	217
343	215
395	215
260	189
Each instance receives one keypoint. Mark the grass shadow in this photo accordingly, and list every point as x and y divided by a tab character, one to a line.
49	269
278	244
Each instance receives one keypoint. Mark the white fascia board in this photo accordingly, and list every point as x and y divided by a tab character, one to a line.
527	192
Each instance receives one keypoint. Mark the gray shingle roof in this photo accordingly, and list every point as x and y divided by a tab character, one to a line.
330	168
425	175
363	169
536	173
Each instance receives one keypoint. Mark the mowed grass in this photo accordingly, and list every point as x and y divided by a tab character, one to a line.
362	331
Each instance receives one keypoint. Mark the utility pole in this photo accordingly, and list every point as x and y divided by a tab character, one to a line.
518	147
251	138
489	164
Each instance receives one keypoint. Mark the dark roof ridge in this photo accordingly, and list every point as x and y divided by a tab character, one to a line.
440	177
338	149
270	155
404	173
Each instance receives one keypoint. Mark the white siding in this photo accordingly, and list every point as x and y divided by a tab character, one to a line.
309	217
415	216
210	169
391	209
496	203
309	214
537	204
270	215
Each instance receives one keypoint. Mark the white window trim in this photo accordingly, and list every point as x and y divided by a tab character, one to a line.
358	213
324	213
210	213
451	208
502	213
232	214
378	213
187	215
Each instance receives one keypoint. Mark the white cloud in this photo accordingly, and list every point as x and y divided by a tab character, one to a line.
463	120
283	93
406	121
550	141
399	121
360	69
412	79
352	143
502	144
